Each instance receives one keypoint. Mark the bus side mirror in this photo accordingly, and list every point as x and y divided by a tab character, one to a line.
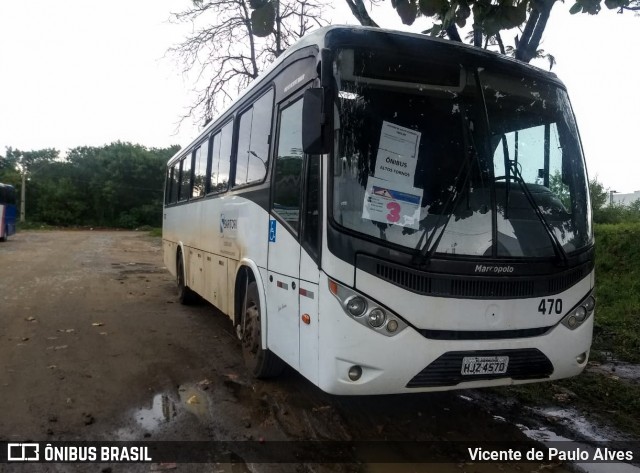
313	122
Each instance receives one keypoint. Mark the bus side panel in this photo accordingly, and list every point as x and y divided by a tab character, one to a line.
215	281
196	279
216	233
10	219
169	250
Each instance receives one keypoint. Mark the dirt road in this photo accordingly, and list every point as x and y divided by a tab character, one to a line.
95	347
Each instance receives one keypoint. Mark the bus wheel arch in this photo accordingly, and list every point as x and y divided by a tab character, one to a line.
186	296
251	323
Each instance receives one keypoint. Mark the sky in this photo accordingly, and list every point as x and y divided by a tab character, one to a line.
87	73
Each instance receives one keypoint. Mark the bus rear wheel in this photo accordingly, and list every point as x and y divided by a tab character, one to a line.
262	363
185	295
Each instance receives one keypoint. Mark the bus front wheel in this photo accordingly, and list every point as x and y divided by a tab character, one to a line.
185	295
262	363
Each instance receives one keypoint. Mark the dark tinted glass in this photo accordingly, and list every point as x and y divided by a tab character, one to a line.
288	178
311	209
260	130
226	137
200	170
244	145
175	183
185	178
253	141
215	163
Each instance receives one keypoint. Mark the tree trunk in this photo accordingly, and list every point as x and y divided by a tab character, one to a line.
360	12
528	45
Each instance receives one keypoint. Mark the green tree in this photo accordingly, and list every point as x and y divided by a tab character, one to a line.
28	163
122	181
120	184
599	195
488	18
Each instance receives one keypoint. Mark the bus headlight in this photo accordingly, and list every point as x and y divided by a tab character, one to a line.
366	311
590	303
581	312
377	317
356	306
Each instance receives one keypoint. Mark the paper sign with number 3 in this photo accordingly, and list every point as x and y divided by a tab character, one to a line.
394	212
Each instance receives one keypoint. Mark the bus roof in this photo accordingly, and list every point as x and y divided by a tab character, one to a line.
320	38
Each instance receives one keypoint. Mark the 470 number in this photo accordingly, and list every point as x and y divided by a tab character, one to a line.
550	306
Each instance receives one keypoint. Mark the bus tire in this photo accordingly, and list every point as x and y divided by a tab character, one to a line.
185	295
262	363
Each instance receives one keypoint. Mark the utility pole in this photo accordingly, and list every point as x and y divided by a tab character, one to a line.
22	195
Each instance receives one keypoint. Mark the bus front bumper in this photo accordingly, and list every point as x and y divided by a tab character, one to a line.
409	362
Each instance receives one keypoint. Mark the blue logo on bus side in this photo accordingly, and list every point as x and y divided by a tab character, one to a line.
272	231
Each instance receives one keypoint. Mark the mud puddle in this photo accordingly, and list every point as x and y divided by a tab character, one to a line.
189	411
628	372
558	427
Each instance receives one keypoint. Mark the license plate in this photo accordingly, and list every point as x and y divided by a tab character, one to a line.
475	365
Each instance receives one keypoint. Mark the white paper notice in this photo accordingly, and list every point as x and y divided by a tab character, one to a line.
397	154
384	202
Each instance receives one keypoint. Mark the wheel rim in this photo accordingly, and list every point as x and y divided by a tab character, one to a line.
251	340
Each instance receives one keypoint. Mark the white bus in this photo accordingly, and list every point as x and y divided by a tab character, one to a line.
386	212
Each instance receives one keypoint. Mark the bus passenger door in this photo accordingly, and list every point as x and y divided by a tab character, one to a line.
283	285
309	270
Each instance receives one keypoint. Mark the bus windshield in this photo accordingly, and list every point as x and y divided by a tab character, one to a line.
444	159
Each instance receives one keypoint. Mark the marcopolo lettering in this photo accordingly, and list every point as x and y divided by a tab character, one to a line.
481	268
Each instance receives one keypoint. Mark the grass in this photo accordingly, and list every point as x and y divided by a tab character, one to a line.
617	322
616	334
28	225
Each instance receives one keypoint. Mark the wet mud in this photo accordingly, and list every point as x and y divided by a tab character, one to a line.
96	347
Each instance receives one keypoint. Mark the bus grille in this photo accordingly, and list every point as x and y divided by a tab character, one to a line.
477	287
483	334
528	363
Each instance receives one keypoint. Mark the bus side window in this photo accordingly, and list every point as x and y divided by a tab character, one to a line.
185	178
200	170
215	163
175	183
226	139
312	205
288	174
167	186
253	141
221	159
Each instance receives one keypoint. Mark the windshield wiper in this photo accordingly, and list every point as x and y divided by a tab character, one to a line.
423	254
555	243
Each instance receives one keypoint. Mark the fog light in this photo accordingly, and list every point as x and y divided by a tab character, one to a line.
392	326
580	313
356	306
377	317
572	322
581	358
590	303
355	372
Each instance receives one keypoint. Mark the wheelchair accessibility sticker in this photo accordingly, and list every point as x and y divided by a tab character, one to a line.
272	231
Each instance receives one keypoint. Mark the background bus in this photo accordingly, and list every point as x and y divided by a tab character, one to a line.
388	212
8	211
